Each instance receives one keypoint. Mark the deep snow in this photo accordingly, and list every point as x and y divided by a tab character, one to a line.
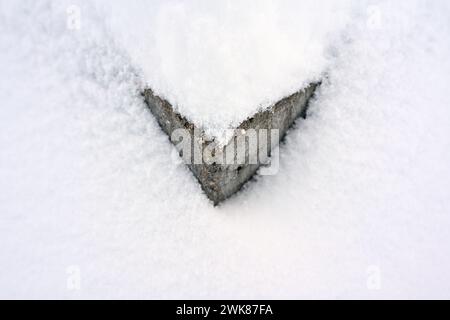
88	181
218	62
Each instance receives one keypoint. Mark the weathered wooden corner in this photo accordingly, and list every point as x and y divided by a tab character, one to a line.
220	180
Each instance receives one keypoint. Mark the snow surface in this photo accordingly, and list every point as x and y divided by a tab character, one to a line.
219	62
88	181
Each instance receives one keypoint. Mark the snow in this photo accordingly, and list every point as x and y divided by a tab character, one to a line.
88	181
219	62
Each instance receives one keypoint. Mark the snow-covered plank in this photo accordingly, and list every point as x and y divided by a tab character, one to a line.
220	62
223	176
